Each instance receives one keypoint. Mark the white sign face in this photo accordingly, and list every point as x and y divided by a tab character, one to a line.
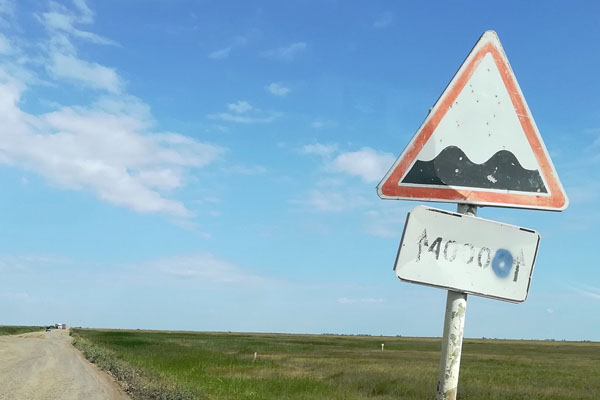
479	144
467	254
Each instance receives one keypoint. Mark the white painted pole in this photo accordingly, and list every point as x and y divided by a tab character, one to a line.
382	346
454	324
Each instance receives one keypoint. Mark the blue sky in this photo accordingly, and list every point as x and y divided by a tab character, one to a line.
212	165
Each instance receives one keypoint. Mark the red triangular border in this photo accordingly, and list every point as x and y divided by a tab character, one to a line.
556	200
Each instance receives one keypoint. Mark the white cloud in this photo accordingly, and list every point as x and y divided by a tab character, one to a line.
386	220
330	201
240	107
90	74
330	182
87	15
243	112
368	164
160	178
326	201
7	12
228	117
29	262
63	61
287	53
205	267
321	124
319	149
5	45
277	89
384	20
61	19
588	291
596	143
106	147
225	52
7	7
221	53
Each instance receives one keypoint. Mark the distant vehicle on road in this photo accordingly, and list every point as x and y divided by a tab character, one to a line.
47	329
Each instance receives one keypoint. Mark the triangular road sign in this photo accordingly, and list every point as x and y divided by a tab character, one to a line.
479	144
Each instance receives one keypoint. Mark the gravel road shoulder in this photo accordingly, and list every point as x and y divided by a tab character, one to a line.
44	365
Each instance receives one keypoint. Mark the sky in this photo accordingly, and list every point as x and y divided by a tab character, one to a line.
212	165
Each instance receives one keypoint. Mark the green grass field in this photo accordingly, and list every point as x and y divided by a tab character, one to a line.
17	330
182	365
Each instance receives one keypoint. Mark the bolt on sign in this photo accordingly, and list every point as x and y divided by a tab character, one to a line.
467	254
479	144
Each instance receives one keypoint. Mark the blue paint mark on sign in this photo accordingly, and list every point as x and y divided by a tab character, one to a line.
502	263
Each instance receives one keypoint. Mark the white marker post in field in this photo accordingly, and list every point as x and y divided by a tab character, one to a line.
478	146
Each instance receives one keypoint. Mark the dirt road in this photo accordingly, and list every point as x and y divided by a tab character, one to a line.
45	366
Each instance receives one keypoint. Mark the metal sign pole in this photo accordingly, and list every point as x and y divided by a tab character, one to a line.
454	324
485	258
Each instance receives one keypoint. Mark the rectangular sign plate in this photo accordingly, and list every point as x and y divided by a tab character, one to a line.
467	254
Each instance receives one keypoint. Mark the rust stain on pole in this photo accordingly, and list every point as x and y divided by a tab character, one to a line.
450	394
